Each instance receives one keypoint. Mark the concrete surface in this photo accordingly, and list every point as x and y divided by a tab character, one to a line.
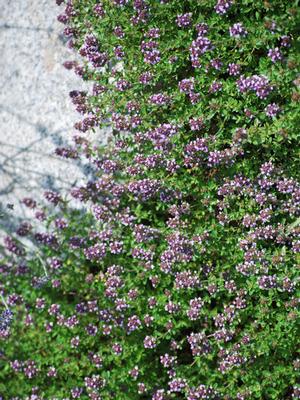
36	114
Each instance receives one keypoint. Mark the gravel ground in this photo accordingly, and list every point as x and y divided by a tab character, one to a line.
36	114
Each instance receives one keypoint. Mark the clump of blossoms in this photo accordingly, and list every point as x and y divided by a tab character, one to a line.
272	110
237	30
259	84
6	318
172	272
184	20
223	6
198	48
275	54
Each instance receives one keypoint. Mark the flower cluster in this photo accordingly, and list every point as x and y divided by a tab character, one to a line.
90	50
159	99
223	6
275	54
237	30
6	318
184	20
198	47
259	84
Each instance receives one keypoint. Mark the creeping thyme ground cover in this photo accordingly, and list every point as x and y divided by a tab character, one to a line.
178	276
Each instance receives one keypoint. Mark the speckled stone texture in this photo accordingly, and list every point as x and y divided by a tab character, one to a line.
36	114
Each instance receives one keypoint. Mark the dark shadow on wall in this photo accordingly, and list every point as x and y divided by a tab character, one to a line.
15	157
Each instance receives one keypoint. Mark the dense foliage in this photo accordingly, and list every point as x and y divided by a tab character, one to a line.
178	278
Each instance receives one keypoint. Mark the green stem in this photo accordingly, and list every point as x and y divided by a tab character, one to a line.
4	302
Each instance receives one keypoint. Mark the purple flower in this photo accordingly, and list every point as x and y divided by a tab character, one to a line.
199	344
195	306
159	395
95	252
223	6
30	369
234	69
161	135
186	280
275	54
296	246
177	385
192	157
94	382
90	50
146	78
13	246
75	341
63	18
198	47
99	10
159	99
148	45
119	52
153	33
272	110
267	282
76	392
285	41
194	97
6	318
91	330
29	202
215	87
16	365
196	124
287	284
258	83
149	342
172	307
144	189
52	197
186	85
202	29
122	85
52	372
133	323
117	349
141	388
134	373
216	64
76	242
24	229
230	360
168	361
66	152
184	20
60	223
237	30
152	56
118	31
141	254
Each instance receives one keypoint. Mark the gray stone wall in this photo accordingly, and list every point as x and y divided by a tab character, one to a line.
36	114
